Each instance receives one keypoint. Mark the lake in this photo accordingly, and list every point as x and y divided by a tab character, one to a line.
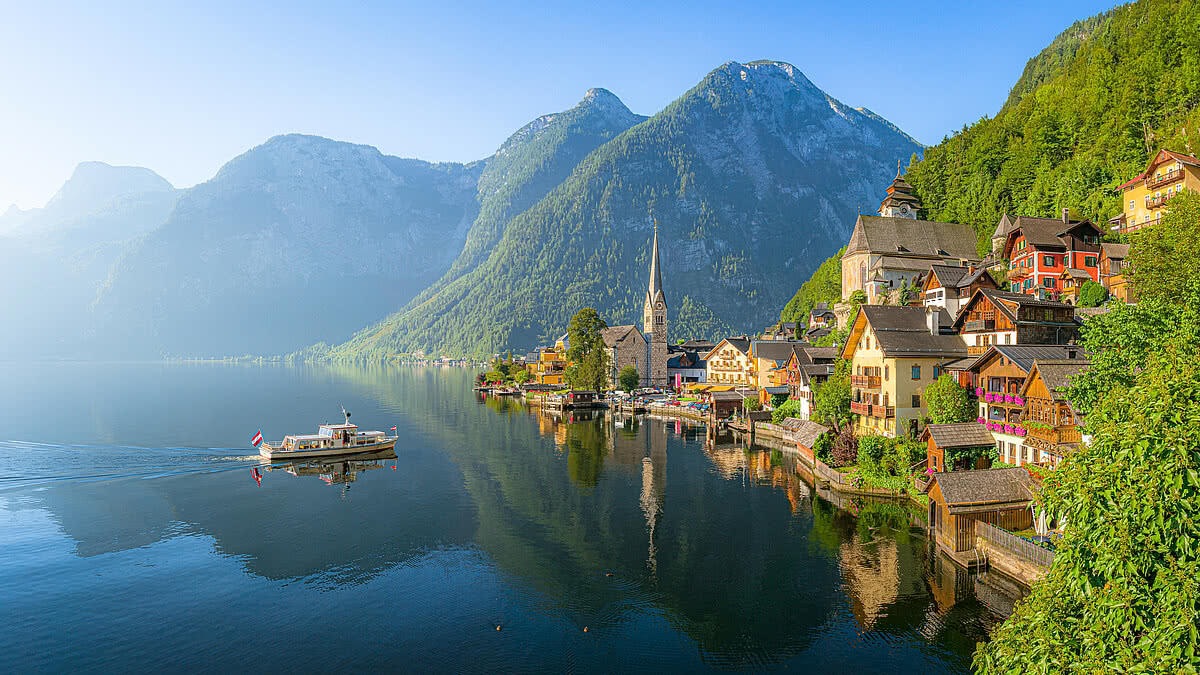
134	536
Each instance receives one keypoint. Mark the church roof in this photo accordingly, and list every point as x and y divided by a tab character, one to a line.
912	238
614	334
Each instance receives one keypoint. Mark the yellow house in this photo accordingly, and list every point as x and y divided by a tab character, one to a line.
730	363
896	352
1144	198
551	363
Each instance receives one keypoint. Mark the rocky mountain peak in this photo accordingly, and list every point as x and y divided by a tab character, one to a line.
94	184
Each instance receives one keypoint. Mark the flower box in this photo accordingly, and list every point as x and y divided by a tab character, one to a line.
979	391
1008	398
1008	429
980	420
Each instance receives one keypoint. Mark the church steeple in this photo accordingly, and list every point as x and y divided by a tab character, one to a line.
900	202
654	311
655	292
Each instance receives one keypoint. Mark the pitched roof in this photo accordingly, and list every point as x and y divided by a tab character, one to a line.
895	262
821	353
1004	302
1114	251
654	292
698	344
958	435
1056	374
879	234
947	275
1076	273
1003	227
614	334
804	432
776	350
967	491
1023	356
902	331
739	343
1044	233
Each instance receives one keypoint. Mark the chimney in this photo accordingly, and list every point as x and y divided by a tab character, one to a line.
1066	216
931	321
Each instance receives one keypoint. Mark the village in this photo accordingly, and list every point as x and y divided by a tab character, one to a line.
940	376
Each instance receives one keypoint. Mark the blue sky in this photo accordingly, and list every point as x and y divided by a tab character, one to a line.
182	88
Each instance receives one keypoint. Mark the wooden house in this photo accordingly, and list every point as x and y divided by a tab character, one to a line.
724	403
950	287
808	367
959	499
1113	273
960	436
994	317
1051	424
1071	281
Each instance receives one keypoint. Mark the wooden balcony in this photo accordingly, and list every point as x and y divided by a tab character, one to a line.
883	411
860	408
1055	436
1168	177
976	350
980	325
865	381
1018	273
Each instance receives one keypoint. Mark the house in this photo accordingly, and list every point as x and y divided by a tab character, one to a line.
804	434
699	346
998	375
770	359
1051	423
784	330
896	352
1070	281
950	287
893	248
821	316
816	333
959	499
730	363
807	367
1113	271
1038	249
684	366
1144	198
962	439
723	403
994	317
551	363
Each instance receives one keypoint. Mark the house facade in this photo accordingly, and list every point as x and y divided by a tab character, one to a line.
1144	198
1039	249
808	367
1051	423
1113	272
550	365
994	317
729	363
896	352
950	287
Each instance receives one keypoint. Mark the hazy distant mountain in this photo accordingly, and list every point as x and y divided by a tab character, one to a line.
754	176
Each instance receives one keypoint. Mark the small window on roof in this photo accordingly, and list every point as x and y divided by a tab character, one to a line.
942	251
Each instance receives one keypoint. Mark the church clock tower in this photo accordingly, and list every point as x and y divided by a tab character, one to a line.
900	202
654	319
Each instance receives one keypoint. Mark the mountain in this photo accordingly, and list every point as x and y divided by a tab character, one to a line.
754	177
298	240
1085	116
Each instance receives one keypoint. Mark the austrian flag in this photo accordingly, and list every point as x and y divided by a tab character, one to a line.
392	429
257	440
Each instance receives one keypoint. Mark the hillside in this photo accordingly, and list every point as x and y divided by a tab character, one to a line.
1085	116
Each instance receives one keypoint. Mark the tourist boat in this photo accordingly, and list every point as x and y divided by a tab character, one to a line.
330	439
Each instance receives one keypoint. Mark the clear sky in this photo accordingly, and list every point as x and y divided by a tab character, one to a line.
182	88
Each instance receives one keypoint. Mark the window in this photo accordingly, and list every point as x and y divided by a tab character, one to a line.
1048	282
1048	260
885	372
1130	204
936	372
916	372
916	400
1089	261
1006	338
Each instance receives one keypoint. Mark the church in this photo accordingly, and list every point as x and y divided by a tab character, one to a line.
646	349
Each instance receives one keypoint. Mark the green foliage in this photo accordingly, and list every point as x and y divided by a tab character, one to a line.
948	402
751	404
1123	594
825	285
587	354
521	376
1086	115
870	453
1092	294
778	400
1165	257
628	379
831	398
789	408
969	456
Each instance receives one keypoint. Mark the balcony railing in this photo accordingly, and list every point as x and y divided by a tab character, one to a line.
980	324
883	411
1019	272
1055	435
976	350
860	408
1168	177
865	381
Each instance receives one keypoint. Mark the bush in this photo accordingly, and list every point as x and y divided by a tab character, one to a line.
844	450
751	404
789	408
870	454
948	402
628	379
1092	294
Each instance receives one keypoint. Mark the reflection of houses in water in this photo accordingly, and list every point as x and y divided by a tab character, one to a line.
871	570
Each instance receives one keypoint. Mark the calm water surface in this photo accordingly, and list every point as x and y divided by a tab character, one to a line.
134	537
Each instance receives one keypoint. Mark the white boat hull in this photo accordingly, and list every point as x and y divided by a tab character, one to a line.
280	453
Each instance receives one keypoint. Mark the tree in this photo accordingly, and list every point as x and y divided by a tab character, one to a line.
587	353
1122	595
629	378
948	402
1092	294
844	451
751	404
521	376
789	408
1164	259
825	285
831	398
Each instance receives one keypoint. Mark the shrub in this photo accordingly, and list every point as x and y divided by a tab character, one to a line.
844	450
789	408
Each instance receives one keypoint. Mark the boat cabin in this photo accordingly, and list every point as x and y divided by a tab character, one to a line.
333	436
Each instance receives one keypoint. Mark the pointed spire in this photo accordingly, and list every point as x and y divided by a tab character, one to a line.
899	167
655	270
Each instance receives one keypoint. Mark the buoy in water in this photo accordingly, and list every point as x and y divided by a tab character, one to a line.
585	629
497	627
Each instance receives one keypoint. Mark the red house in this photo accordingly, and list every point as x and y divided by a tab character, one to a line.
1039	249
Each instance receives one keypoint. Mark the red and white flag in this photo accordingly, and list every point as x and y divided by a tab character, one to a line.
257	440
392	429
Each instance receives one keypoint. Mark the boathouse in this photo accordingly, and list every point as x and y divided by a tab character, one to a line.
959	499
804	433
966	443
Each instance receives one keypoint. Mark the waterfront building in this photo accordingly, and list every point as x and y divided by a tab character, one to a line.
968	436
626	347
551	364
998	376
993	317
807	367
730	363
1051	423
892	248
896	352
1038	249
950	287
770	359
1113	271
821	316
959	499
645	350
685	366
1144	197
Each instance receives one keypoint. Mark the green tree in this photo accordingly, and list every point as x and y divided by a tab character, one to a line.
825	285
831	398
1123	594
1092	294
789	408
948	402
587	354
751	404
629	378
521	376
1165	258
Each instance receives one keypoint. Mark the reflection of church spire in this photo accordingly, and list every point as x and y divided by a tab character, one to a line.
654	482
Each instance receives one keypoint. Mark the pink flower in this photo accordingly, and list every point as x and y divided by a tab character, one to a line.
979	391
1008	398
979	419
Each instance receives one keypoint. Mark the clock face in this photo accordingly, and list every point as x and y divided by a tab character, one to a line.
903	209
660	305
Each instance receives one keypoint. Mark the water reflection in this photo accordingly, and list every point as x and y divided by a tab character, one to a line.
334	470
